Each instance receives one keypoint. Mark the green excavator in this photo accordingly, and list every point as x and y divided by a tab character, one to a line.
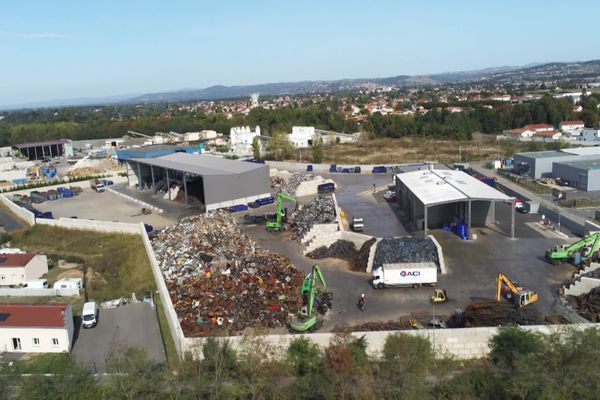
316	300
281	214
586	248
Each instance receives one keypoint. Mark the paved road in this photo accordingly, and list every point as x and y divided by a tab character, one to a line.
133	325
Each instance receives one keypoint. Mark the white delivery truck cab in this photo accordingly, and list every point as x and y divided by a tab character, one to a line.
36	284
89	316
405	275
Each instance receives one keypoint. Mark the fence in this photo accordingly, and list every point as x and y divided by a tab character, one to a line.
29	292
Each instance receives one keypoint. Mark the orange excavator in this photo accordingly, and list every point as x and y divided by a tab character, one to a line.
519	296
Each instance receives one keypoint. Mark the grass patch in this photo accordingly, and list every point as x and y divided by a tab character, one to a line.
165	333
43	364
115	264
535	187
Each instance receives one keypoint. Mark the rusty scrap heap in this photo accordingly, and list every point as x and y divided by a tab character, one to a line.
220	282
587	305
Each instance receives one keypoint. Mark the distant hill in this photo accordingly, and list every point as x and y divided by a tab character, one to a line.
505	74
589	70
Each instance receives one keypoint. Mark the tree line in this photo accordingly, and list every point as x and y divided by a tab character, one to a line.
521	366
438	122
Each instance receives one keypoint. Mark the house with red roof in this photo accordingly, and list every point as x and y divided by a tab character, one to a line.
539	127
36	328
16	269
571	126
547	136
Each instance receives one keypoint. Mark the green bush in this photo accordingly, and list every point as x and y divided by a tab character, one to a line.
512	342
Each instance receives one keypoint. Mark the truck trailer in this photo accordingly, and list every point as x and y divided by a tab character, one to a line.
405	275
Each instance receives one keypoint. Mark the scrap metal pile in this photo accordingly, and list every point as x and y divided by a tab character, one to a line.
294	180
587	305
220	282
393	250
494	313
346	250
320	210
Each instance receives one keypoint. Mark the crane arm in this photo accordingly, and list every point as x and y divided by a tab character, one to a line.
319	275
594	238
504	279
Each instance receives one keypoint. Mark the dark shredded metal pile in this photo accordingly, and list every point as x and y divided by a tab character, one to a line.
346	250
391	250
320	210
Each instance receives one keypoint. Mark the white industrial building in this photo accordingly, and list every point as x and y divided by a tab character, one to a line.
16	269
568	127
240	140
36	328
590	135
433	198
302	136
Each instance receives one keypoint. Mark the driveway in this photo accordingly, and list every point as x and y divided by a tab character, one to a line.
133	325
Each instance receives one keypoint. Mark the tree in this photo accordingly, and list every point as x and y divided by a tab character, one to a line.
280	147
136	376
256	148
317	151
303	355
511	342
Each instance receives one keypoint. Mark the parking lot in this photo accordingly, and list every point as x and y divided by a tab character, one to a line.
472	266
104	206
133	325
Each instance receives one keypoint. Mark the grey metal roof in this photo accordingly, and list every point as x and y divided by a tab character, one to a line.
200	164
584	163
544	154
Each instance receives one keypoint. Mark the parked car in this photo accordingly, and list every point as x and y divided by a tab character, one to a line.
390	196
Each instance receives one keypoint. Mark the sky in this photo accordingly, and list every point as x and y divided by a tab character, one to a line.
51	49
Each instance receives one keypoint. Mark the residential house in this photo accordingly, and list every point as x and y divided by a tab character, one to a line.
16	269
571	126
547	136
539	127
36	328
522	134
454	109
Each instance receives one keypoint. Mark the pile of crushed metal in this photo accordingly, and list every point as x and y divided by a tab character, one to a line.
587	305
292	182
220	282
345	250
413	249
319	210
495	313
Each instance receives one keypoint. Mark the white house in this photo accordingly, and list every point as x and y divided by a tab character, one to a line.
16	269
519	133
240	140
302	136
547	136
571	126
590	135
208	134
36	328
539	127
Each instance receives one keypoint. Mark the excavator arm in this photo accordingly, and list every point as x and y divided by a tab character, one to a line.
504	279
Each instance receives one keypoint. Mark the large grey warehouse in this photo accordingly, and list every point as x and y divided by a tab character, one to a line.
582	174
433	198
538	164
208	181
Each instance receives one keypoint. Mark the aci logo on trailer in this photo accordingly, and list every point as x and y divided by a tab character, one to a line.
410	273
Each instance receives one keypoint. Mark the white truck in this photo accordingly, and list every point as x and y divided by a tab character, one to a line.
97	185
405	275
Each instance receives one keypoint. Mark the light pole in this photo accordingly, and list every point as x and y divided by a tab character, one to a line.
433	321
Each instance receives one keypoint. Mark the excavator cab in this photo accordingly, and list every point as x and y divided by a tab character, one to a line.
439	296
524	298
519	296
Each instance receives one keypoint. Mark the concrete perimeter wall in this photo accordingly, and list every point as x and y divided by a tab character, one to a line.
27	292
20	212
583	285
465	343
165	298
91	225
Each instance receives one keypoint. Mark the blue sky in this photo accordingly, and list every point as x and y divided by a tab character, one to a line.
73	49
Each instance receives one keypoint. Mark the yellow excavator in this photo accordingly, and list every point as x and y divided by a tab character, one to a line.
519	296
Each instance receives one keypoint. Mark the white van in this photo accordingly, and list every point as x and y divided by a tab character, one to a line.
36	284
89	316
